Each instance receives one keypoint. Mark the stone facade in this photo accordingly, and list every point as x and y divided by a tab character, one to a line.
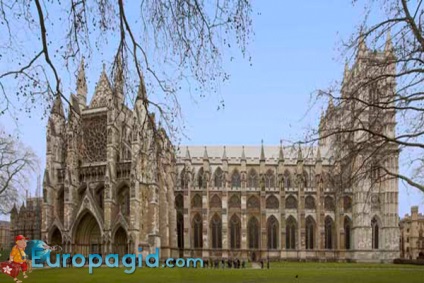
107	185
114	183
285	203
4	235
412	235
27	220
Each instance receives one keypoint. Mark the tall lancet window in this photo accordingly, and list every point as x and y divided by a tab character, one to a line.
197	232
375	233
272	231
310	229
290	233
235	227
216	226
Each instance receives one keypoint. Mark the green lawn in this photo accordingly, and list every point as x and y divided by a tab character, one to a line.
279	272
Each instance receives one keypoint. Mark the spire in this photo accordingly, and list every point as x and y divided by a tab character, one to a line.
82	84
318	155
187	157
74	106
141	94
205	154
299	154
243	155
119	71
119	80
388	49
262	151
37	192
224	154
14	209
281	153
57	108
330	107
103	90
361	42
346	70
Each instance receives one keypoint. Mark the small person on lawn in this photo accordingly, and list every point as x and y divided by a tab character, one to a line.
18	255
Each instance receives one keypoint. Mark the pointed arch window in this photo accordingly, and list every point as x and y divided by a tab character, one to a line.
196	201
235	227
218	177
329	203
216	226
253	179
291	233
61	204
235	179
347	204
197	231
305	179
272	202
253	233
215	202
269	179
200	179
180	230
179	202
347	232
309	202
234	202
329	227
272	232
291	202
124	200
253	203
310	232
287	179
375	233
183	179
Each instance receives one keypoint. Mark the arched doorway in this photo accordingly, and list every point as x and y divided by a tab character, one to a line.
55	238
120	245
87	235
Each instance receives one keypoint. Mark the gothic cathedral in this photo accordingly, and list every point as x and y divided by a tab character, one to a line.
114	183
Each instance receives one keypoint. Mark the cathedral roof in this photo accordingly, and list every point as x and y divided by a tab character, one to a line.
253	153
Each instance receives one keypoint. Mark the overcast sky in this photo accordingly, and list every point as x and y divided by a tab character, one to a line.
295	51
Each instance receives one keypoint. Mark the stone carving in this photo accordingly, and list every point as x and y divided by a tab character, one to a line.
94	140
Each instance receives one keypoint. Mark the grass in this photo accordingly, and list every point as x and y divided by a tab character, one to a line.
279	272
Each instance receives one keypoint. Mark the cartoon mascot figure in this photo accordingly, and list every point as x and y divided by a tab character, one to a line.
19	257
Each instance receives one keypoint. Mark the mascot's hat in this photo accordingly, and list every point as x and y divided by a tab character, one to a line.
20	237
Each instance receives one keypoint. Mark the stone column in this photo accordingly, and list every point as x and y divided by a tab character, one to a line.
243	219
224	218
187	223
206	221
